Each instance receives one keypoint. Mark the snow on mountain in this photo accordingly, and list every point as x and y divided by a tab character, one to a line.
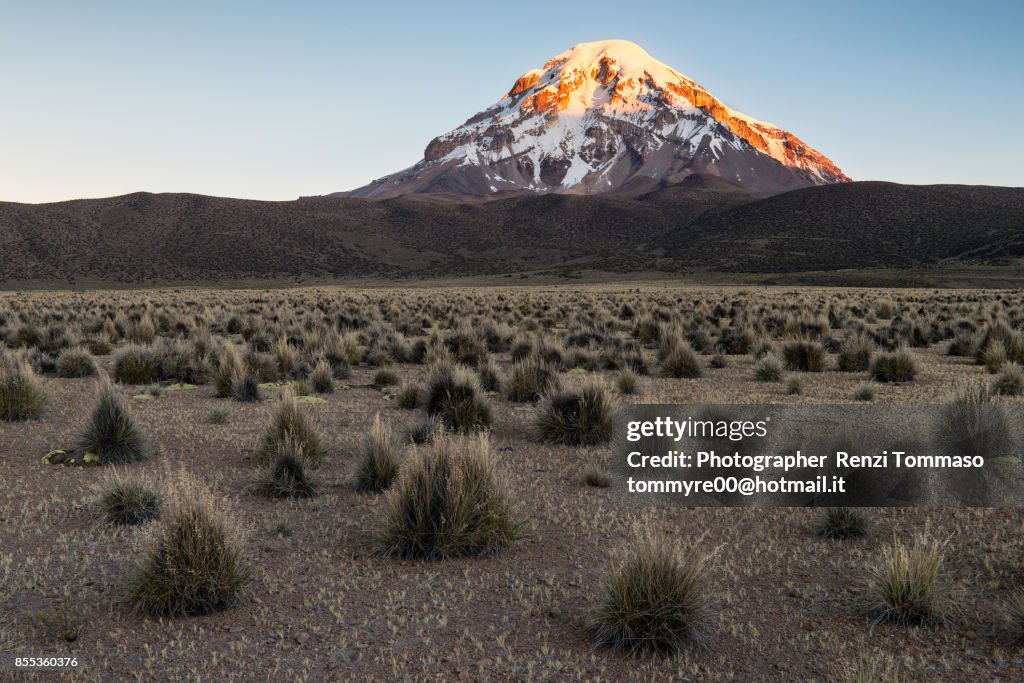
607	117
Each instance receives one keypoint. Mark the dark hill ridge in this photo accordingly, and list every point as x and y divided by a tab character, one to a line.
699	224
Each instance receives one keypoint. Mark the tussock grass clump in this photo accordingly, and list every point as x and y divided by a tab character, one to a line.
681	361
530	379
129	499
855	354
973	425
898	366
135	364
245	388
908	583
290	426
76	362
867	669
385	377
193	561
803	355
381	459
1010	381
577	417
453	395
322	377
491	378
597	477
842	523
229	368
795	387
449	501
864	392
408	397
21	392
111	434
627	381
655	600
768	368
993	356
427	430
286	477
218	415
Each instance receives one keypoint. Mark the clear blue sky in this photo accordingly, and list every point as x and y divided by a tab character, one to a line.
273	100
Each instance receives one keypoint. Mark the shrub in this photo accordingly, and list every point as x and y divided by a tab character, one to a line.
218	415
289	426
855	354
908	583
842	523
530	379
627	381
449	501
21	392
286	477
795	387
681	361
654	600
134	364
129	499
768	368
719	361
76	362
864	392
577	417
804	356
898	366
454	396
1010	381
111	434
322	377
381	459
193	562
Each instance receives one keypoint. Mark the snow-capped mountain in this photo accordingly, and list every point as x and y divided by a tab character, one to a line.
607	117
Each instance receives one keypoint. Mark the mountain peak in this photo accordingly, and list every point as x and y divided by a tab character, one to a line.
601	116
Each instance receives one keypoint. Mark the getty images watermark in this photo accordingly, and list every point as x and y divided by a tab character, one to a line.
840	455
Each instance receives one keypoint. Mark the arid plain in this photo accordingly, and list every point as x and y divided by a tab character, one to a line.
259	409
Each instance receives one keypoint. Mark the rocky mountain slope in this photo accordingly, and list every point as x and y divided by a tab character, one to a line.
607	118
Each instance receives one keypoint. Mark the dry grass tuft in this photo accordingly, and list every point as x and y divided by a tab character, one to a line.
655	600
450	501
193	561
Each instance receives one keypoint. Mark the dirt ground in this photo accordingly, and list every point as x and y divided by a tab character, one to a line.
325	605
